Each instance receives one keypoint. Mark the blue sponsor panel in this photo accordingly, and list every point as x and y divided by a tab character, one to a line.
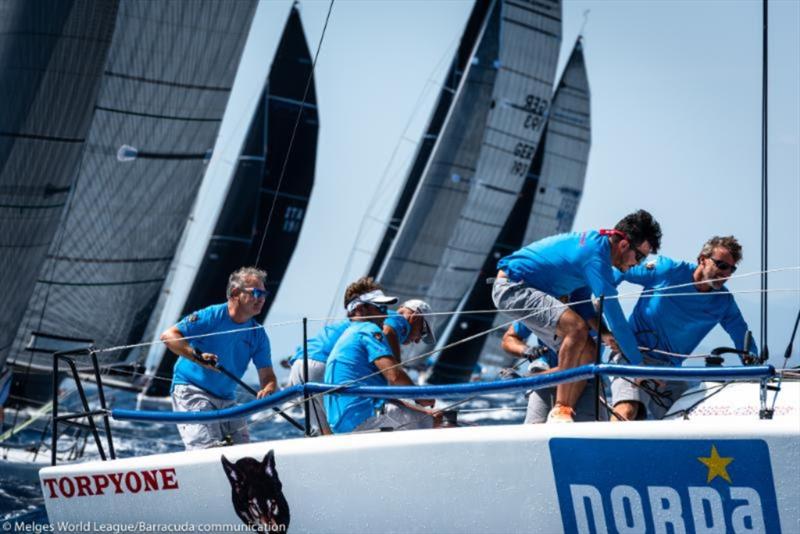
664	486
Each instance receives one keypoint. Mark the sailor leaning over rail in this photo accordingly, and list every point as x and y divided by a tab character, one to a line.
363	354
197	383
698	301
409	324
531	281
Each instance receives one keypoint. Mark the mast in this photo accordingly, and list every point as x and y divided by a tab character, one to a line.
764	181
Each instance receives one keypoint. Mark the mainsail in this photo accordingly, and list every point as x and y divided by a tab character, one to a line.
478	164
547	205
52	57
164	90
255	191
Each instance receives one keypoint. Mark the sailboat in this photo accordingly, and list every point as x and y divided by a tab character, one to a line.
718	464
472	175
150	126
273	179
546	206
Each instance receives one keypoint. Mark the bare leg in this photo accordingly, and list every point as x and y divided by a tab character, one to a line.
576	350
628	410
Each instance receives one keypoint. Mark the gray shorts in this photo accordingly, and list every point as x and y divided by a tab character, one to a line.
654	399
316	373
536	309
397	418
541	401
187	398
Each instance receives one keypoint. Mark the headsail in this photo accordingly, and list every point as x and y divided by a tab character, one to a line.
164	90
499	107
547	205
51	64
474	26
254	191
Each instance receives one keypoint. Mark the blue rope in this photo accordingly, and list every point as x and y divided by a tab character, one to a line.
453	390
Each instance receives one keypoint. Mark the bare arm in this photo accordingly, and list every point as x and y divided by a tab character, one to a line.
268	382
396	376
173	339
391	337
513	344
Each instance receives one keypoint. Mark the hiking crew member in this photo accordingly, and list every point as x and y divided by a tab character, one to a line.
197	385
532	281
363	355
677	324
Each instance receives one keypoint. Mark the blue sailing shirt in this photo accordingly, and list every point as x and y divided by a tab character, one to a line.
321	345
400	325
352	358
562	264
679	323
234	349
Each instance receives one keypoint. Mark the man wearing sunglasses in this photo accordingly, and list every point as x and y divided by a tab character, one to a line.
411	323
362	355
227	335
676	319
534	285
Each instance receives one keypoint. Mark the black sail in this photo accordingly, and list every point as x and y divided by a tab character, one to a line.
456	364
472	30
52	56
547	205
255	193
164	91
479	160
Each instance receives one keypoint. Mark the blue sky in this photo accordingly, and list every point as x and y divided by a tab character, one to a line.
676	127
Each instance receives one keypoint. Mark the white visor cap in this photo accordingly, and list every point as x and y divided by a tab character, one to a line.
373	297
422	308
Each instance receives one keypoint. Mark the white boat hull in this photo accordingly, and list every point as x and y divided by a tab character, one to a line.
542	478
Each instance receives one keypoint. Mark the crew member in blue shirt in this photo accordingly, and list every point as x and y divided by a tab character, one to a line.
669	320
236	339
362	355
534	283
411	323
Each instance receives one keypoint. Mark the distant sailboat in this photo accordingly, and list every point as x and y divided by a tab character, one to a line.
254	192
51	67
164	90
547	205
475	170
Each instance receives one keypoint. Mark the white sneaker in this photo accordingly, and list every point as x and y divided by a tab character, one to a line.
561	414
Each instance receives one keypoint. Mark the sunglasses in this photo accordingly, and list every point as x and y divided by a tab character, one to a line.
723	265
257	293
639	255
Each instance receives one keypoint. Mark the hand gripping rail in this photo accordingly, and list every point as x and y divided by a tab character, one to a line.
452	390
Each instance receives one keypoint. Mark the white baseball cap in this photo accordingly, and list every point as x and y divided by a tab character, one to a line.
422	308
373	297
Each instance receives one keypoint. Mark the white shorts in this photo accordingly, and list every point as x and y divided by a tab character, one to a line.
186	398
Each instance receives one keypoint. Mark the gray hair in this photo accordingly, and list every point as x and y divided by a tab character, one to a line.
237	278
728	242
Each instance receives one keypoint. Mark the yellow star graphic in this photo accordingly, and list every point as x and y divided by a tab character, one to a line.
717	465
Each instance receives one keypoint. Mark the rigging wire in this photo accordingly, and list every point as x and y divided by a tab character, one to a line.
382	182
294	132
